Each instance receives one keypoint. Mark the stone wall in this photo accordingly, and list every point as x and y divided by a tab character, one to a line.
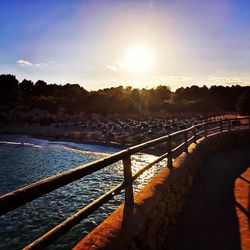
150	223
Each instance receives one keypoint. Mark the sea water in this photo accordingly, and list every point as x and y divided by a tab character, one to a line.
24	160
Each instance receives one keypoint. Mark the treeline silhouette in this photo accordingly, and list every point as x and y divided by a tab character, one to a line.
72	98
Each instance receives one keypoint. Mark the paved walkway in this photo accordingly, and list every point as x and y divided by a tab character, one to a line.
213	219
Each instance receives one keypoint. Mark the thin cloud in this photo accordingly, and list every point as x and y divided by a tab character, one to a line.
41	65
174	78
117	66
37	65
24	62
229	81
174	81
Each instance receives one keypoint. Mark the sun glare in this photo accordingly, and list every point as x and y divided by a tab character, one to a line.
139	59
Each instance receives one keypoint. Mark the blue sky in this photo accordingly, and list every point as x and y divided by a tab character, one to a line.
181	42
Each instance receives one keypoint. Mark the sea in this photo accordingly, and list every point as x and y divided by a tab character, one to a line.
25	160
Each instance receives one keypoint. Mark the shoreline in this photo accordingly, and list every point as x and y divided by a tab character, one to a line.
75	140
63	140
68	138
52	134
155	152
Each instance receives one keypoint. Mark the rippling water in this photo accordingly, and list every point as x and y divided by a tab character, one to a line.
24	160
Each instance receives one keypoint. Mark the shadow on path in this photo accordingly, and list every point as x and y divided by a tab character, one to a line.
209	220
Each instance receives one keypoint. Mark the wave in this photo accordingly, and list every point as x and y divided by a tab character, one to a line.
21	144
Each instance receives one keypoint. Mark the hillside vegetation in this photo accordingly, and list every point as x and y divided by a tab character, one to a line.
72	98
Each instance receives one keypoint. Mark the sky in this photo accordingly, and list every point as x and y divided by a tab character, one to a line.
140	43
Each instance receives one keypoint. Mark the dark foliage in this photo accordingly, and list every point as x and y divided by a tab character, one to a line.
243	103
72	98
9	90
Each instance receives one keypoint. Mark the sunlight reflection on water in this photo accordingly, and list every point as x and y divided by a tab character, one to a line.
26	162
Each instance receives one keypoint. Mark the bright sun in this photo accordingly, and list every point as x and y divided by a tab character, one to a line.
139	59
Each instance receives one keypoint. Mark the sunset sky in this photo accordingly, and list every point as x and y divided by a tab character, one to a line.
101	44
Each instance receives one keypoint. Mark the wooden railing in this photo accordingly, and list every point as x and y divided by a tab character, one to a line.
13	200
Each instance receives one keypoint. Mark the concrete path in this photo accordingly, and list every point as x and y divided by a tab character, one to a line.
210	220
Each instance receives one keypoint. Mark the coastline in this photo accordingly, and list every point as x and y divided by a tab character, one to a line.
51	134
78	141
55	135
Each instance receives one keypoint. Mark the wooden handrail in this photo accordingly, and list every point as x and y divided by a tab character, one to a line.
15	199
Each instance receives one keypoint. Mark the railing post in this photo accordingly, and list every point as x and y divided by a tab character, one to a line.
170	156
129	197
205	129
186	141
194	132
229	124
221	126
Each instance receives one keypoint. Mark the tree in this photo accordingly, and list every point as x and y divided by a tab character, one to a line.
163	93
40	88
192	93
243	103
135	95
26	87
8	88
